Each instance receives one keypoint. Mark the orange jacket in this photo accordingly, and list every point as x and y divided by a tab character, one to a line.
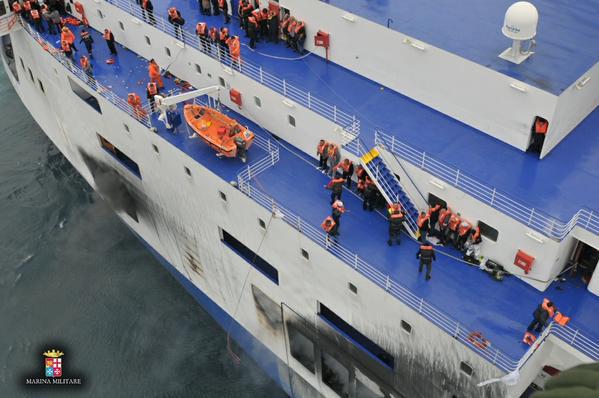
154	70
328	224
454	221
67	36
234	48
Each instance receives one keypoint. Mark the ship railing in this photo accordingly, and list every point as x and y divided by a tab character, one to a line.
141	115
348	122
574	338
518	210
252	170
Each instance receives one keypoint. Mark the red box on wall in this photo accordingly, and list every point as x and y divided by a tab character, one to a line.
524	261
235	97
322	39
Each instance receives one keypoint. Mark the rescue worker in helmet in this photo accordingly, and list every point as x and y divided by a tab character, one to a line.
241	148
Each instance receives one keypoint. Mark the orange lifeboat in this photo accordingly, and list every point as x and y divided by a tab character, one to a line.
222	133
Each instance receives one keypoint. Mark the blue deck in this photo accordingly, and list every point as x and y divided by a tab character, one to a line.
500	310
545	185
567	34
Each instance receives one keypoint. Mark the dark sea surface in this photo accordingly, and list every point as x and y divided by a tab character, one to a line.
72	276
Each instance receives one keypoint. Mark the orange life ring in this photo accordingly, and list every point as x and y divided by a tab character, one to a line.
477	340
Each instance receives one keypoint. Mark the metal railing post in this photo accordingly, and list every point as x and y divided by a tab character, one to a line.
574	337
457	330
588	220
335	113
493	196
388	284
356	261
261	77
420	306
457	177
309	101
532	213
284	88
423	160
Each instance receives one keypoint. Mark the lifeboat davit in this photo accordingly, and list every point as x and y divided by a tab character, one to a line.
225	135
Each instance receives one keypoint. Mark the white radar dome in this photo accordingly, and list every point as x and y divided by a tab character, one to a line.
521	20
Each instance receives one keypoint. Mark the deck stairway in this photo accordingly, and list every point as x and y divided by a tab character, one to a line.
389	186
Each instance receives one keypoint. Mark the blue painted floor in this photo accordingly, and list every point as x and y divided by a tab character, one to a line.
545	185
567	34
501	310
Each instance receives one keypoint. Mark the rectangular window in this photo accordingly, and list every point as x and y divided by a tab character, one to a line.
356	337
335	375
120	156
85	96
248	255
301	347
487	231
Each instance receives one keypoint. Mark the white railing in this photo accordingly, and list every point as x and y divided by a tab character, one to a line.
527	215
90	82
252	170
348	122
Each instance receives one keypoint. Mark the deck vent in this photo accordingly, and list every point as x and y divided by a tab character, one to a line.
262	223
188	172
222	196
291	120
352	288
305	254
466	369
406	327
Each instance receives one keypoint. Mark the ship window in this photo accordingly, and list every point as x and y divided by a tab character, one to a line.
148	41
187	171
354	336
121	25
261	223
155	148
120	156
22	63
250	256
335	375
301	347
100	14
305	254
167	51
466	368
367	388
352	288
222	196
258	102
291	120
31	75
488	232
221	81
41	86
209	76
85	96
406	327
198	69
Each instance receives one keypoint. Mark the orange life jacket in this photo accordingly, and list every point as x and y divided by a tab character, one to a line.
16	7
248	8
464	227
550	310
27	5
398	215
221	4
134	100
84	35
65	45
35	14
422	219
172	12
108	35
154	70
201	29
443	214
454	221
433	209
284	23
67	35
291	26
223	34
145	3
235	48
328	224
476	234
541	126
84	62
338	205
152	89
322	147
257	14
299	26
394	208
213	33
345	165
332	150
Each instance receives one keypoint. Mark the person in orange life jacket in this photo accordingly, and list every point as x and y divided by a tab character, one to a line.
215	9
175	18
433	214
299	37
540	128
258	16
235	50
452	229
16	7
333	158
26	14
252	31
287	27
109	37
330	226
542	315
88	69
87	41
370	193
148	8
283	27
423	224
67	35
213	34
471	247
246	13
426	254
361	175
347	170
205	7
66	48
240	6
336	187
464	230
151	91
37	20
223	6
396	220
222	41
202	33
154	73
264	24
135	101
273	27
337	210
444	217
322	152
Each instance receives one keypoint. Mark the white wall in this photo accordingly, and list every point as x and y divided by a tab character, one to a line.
471	93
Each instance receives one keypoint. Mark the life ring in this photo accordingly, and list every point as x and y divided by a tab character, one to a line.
477	340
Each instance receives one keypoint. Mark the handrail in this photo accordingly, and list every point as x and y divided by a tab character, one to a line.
438	317
90	82
348	122
536	219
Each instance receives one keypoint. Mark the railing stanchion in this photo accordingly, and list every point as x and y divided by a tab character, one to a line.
574	337
420	306
457	178
261	77
309	100
457	330
588	220
493	196
388	284
423	160
356	261
335	113
532	213
284	88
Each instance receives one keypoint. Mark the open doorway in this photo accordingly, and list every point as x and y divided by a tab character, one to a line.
584	260
538	131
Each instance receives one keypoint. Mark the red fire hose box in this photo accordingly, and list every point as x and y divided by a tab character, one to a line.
524	261
235	97
321	39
